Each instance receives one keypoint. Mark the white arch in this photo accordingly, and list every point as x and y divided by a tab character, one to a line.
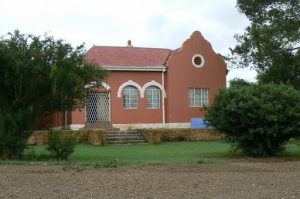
153	83
92	84
105	85
129	83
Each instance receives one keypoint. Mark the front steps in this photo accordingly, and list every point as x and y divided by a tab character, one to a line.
114	136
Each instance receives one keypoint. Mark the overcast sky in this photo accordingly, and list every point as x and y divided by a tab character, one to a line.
148	23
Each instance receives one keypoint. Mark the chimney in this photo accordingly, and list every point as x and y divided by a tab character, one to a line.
129	43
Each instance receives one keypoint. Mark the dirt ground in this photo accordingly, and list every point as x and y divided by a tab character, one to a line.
235	179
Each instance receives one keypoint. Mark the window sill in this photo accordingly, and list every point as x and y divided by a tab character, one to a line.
153	108
130	108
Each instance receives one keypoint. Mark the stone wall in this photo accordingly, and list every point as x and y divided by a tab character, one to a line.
157	135
87	136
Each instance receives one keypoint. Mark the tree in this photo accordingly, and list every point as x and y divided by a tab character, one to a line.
256	118
39	76
271	43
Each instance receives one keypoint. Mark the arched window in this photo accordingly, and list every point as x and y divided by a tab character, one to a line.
130	97
153	97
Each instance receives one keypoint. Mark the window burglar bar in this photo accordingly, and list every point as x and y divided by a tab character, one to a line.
98	107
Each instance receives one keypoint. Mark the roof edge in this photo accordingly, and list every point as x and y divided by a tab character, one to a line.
136	68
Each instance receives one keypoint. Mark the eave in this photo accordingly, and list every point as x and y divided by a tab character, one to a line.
136	68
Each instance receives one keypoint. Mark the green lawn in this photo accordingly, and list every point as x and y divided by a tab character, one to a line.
168	152
164	153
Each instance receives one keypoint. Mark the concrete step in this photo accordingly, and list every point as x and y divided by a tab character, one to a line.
123	137
112	131
122	133
126	142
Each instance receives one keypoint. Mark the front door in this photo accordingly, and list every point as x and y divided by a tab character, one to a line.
98	107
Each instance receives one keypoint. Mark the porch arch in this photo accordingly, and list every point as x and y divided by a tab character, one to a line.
92	84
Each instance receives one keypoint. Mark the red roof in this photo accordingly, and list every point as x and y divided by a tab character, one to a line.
127	56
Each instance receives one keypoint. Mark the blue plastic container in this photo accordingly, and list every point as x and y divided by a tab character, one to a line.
198	122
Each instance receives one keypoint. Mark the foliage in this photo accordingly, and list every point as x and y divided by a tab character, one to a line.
164	153
57	74
13	137
271	43
257	119
60	148
30	154
39	76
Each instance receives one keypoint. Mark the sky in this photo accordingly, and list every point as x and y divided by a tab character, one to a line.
147	23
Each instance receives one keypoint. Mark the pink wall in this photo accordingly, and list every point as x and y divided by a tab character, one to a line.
121	115
77	116
182	75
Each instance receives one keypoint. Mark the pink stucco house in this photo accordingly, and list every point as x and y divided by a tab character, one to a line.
152	87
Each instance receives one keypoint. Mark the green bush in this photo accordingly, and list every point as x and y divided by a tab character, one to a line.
256	119
14	132
60	148
30	154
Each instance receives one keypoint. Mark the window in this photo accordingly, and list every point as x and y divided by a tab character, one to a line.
198	97
130	97
153	97
198	61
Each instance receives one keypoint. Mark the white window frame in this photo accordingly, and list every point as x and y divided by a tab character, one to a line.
198	97
152	97
131	97
201	58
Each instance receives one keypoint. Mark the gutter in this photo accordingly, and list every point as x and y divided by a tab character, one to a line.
136	68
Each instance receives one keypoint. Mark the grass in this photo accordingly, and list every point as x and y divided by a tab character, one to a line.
292	149
164	153
168	152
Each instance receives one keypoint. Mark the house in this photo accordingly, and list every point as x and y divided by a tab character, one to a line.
152	87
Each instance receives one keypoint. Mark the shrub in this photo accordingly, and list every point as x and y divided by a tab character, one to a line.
31	155
14	132
256	119
60	148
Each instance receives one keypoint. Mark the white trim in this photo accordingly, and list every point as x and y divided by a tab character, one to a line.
153	83
139	125
151	125
92	84
129	83
76	126
135	68
105	85
109	106
163	99
178	125
202	61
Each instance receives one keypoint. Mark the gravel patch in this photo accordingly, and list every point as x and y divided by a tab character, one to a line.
237	179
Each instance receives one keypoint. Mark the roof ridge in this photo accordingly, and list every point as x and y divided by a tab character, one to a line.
133	47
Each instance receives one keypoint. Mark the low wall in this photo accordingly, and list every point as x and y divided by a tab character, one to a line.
90	136
153	136
157	135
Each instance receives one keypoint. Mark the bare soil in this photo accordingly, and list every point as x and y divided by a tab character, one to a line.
250	178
